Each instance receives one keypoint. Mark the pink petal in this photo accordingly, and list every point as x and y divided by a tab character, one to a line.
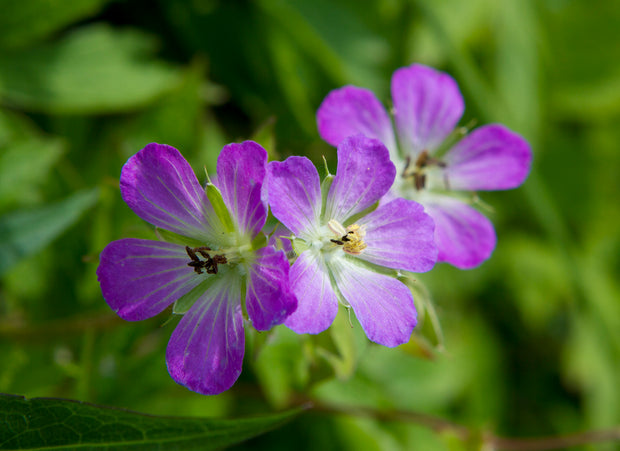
140	278
294	192
364	174
240	174
205	352
161	187
383	305
428	105
317	304
400	235
490	158
464	236
351	111
269	299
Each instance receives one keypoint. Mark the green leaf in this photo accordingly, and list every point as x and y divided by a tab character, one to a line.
24	165
92	70
281	366
25	232
43	423
25	21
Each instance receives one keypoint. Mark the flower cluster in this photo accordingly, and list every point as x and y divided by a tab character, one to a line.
354	235
435	165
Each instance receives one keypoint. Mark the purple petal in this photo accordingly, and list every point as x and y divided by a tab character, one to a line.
428	105
160	187
240	174
294	192
351	111
364	174
400	235
317	304
269	299
383	305
205	352
465	237
280	238
490	158
140	278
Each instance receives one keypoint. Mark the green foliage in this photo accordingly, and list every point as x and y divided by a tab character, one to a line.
93	70
24	22
42	423
25	232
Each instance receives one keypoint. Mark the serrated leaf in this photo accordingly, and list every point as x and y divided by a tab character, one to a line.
43	423
93	70
42	18
24	232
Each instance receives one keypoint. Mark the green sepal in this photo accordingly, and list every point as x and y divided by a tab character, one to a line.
175	238
185	302
390	272
356	217
325	186
259	242
454	137
428	335
299	246
217	201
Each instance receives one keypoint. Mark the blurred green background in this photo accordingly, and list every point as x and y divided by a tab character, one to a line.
531	338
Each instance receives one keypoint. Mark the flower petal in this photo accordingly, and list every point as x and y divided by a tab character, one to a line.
400	235
351	111
383	305
317	304
279	237
492	157
161	187
140	278
465	237
294	192
240	174
428	105
205	352
269	298
364	174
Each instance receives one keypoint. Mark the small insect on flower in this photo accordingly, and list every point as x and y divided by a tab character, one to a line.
352	252
211	283
439	160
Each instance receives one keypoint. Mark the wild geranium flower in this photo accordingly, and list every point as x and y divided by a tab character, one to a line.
345	251
216	266
434	167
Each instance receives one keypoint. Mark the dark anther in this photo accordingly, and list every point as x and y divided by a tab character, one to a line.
344	239
417	170
209	264
419	181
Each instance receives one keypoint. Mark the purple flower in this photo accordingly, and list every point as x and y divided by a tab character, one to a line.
216	264
427	107
349	252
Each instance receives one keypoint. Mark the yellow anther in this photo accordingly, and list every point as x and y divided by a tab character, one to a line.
351	239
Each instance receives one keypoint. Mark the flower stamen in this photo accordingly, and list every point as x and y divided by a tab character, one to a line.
209	264
351	239
417	170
